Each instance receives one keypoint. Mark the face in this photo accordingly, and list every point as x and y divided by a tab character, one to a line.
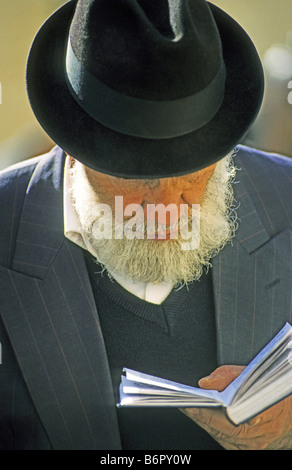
188	189
145	259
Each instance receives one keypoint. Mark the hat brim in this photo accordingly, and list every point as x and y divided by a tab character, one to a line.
105	150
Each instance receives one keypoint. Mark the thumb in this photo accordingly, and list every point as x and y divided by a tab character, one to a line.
221	377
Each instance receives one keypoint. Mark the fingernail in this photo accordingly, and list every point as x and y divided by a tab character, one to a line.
255	421
207	378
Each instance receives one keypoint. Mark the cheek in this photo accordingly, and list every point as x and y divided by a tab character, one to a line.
108	191
195	193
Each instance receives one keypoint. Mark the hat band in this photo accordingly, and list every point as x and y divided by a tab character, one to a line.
139	117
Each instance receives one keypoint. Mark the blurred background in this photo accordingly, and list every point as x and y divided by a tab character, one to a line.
268	22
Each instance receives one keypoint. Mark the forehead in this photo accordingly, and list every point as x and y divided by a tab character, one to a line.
153	182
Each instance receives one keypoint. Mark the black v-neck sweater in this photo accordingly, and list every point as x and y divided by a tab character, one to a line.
175	340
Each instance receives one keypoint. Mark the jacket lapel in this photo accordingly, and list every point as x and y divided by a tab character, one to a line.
251	277
54	328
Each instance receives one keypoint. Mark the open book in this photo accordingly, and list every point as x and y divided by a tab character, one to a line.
266	380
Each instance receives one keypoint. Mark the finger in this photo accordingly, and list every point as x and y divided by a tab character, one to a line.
210	419
231	437
215	420
271	416
221	377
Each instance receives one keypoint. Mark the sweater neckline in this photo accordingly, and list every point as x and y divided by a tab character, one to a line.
163	315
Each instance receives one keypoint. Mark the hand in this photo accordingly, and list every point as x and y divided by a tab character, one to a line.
269	430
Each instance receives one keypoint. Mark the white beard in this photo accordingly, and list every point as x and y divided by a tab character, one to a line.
162	261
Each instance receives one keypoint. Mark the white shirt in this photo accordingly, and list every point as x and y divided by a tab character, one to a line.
154	293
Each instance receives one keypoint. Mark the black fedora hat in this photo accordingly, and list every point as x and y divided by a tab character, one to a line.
144	88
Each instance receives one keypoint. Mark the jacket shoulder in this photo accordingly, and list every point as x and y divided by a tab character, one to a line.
267	177
262	162
14	182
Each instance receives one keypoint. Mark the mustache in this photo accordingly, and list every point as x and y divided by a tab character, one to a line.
127	223
186	227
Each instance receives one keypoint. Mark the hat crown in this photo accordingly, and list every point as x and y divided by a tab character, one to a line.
139	88
148	49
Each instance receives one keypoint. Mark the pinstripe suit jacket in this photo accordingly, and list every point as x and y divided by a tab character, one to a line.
55	386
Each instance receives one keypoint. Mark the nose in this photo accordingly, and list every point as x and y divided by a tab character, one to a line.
162	202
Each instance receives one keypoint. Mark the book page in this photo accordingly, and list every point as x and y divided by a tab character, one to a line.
262	361
263	398
148	384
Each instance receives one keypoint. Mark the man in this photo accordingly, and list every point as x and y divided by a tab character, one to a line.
146	101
